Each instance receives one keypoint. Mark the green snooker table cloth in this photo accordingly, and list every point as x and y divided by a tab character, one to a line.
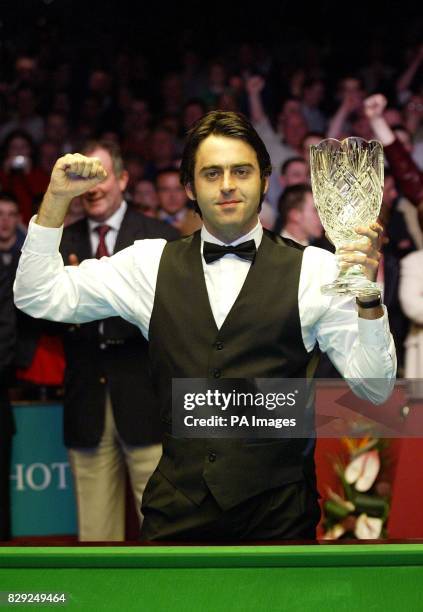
294	578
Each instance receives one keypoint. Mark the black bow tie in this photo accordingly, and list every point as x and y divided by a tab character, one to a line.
245	250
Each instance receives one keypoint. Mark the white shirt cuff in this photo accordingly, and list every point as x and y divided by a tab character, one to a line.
374	332
42	240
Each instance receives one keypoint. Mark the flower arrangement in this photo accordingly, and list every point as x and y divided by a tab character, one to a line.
362	510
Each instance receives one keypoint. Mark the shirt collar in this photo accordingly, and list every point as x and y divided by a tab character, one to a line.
179	216
115	221
285	234
255	234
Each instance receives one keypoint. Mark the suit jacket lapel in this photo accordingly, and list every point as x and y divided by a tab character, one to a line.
128	232
80	243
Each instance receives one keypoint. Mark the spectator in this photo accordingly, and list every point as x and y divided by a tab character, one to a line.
144	198
216	83
351	96
57	131
172	94
39	356
135	168
294	171
398	239
136	129
193	110
110	410
299	219
407	176
11	235
162	154
25	116
398	243
19	175
26	71
293	126
312	97
173	202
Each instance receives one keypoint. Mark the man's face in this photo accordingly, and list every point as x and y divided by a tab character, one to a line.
56	128
9	219
361	127
350	86
295	174
227	186
309	218
314	94
19	146
145	198
294	129
171	194
105	198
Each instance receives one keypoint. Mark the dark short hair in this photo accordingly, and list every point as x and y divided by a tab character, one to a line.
290	161
112	149
8	197
292	199
18	133
222	123
167	170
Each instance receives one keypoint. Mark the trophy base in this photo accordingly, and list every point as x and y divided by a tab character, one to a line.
355	286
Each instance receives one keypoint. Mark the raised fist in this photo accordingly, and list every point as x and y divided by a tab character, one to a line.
74	174
374	106
255	84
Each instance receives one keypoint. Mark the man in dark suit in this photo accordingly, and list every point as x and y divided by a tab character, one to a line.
111	416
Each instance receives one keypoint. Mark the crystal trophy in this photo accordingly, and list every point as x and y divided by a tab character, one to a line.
347	182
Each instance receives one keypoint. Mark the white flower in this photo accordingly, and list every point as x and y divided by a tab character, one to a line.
363	470
368	528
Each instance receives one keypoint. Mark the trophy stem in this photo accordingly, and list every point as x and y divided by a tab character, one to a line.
351	281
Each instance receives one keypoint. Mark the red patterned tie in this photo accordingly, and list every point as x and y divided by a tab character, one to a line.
102	250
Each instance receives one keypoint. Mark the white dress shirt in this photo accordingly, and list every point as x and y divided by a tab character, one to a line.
124	285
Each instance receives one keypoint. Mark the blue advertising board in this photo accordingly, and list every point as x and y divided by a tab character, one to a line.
42	493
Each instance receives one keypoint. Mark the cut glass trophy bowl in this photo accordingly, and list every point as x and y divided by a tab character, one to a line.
347	182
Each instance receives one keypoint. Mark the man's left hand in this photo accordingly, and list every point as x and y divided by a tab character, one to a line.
365	251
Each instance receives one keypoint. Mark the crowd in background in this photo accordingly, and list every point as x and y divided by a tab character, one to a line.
58	91
51	104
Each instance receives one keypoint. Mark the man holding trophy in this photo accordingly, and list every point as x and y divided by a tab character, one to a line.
231	301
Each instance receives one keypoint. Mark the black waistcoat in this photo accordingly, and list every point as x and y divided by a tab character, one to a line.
260	337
